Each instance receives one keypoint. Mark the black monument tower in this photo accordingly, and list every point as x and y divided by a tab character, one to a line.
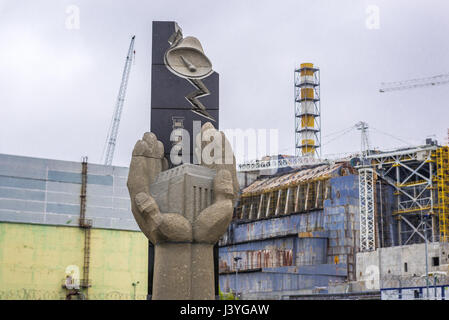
171	110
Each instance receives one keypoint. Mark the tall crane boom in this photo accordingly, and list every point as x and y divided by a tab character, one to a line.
364	144
115	122
415	83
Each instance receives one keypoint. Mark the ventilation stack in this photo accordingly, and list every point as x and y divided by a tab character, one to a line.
307	111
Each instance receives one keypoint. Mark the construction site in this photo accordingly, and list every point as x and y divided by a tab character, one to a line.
369	226
372	224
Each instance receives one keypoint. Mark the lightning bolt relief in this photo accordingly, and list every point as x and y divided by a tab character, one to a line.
197	106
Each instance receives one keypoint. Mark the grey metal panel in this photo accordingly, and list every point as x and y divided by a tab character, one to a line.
64	187
121	192
120	172
99	169
99	222
99	201
97	179
122	214
20	205
120	181
93	211
56	200
21	194
15	216
128	224
59	197
58	165
62	219
22	167
102	212
122	203
98	190
63	208
61	176
72	177
22	183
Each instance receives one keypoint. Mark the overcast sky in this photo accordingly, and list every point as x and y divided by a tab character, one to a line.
58	85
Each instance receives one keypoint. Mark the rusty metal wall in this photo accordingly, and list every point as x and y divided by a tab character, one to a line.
283	280
256	255
295	252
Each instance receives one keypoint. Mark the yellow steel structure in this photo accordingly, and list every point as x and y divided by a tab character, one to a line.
412	172
35	260
442	159
307	110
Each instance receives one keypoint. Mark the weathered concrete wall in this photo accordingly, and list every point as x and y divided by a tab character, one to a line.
34	260
368	270
401	265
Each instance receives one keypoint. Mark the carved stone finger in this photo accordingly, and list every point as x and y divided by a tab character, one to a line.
140	148
227	159
213	221
223	185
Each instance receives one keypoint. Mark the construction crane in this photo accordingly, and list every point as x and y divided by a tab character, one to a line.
415	83
108	151
364	144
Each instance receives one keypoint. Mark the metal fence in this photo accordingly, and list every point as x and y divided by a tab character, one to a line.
395	281
36	294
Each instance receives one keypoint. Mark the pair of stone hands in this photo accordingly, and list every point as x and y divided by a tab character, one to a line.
148	161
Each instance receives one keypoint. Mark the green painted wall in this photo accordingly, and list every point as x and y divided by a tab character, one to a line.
34	260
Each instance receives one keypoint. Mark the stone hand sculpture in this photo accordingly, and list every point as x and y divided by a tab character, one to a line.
183	249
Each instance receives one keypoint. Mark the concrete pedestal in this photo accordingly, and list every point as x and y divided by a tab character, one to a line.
184	270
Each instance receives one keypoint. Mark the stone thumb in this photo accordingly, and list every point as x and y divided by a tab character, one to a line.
144	202
223	183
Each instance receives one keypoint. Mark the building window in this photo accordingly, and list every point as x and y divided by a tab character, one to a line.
405	267
416	293
435	261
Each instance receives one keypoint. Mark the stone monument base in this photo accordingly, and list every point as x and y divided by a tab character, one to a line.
184	271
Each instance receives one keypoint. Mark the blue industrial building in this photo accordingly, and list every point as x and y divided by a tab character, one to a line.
294	233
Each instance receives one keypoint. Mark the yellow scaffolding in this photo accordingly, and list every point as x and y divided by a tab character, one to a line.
443	188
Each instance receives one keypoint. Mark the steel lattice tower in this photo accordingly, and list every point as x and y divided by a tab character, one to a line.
115	122
367	184
307	111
